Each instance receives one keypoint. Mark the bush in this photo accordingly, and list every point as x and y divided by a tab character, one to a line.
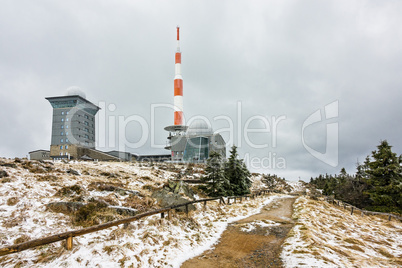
70	191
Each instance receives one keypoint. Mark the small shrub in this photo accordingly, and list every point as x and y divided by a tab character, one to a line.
70	191
47	178
3	174
5	180
22	239
94	213
11	165
12	201
138	203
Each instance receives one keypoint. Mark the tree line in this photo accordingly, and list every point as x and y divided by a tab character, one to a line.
376	185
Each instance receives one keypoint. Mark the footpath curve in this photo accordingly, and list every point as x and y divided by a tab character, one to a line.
252	242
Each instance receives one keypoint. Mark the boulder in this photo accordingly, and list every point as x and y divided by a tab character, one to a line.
64	207
3	174
165	198
73	172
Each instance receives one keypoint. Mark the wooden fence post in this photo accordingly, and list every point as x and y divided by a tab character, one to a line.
389	217
187	210
69	243
241	199
205	205
352	211
169	214
163	215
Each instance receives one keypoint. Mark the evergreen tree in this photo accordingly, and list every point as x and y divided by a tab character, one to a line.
385	179
217	183
237	174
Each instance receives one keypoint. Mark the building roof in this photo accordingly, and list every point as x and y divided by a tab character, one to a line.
60	98
40	150
199	127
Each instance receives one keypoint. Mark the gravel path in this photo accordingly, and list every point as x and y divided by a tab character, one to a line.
252	242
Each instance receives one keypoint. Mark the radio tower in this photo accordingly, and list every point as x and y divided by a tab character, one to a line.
178	85
177	132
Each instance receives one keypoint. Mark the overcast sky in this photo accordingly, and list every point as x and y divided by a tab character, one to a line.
243	60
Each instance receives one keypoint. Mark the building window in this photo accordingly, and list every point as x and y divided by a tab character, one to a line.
66	133
66	153
61	140
62	113
61	153
86	123
66	119
67	126
66	112
62	120
66	146
61	133
61	147
66	140
86	116
86	136
86	130
62	126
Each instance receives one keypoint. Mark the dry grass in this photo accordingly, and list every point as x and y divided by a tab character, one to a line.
70	190
139	203
23	238
12	201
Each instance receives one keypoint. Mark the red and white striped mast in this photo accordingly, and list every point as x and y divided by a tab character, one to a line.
178	85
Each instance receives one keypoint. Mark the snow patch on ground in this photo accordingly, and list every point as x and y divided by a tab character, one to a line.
328	236
151	242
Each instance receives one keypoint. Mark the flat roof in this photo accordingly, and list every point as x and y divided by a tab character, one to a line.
40	150
70	96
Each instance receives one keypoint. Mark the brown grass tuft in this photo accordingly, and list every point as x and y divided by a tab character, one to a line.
12	201
23	238
139	203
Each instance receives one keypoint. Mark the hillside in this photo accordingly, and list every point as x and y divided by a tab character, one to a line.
29	188
328	236
38	199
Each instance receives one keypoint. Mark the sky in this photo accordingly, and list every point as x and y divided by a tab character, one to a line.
301	87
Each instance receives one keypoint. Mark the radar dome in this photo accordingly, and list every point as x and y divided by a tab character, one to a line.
75	91
199	127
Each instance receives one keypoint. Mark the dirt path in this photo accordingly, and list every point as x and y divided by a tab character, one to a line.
252	242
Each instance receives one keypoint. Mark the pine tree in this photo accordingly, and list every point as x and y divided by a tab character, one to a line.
385	179
217	184
237	174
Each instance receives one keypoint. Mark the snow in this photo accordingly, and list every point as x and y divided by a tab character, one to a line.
328	236
151	242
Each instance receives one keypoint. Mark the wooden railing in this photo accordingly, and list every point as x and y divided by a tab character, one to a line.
362	211
68	236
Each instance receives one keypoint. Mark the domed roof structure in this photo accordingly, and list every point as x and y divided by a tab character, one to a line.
72	91
199	127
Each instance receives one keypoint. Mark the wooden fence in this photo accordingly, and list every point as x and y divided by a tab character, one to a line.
363	212
68	236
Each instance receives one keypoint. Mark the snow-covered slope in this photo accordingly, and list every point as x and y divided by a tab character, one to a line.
328	236
152	242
